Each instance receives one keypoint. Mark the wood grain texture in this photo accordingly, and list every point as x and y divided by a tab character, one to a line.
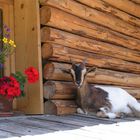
126	5
73	126
53	71
56	18
111	10
51	35
95	16
60	107
11	2
28	52
59	90
62	54
8	19
56	90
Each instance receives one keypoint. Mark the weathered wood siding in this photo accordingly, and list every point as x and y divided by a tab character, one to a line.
106	32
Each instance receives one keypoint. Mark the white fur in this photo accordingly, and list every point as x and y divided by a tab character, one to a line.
80	111
120	100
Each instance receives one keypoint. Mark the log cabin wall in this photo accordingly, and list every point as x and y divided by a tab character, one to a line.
106	32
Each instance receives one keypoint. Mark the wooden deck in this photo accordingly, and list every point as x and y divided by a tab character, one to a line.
73	127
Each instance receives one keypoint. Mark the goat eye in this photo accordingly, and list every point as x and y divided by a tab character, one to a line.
73	67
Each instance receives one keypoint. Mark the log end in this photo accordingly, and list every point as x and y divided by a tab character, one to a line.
60	107
43	2
45	14
48	71
45	34
50	108
46	51
49	89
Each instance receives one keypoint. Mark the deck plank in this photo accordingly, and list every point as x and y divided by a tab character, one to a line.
71	126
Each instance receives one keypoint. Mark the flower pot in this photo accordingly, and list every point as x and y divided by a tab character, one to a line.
6	105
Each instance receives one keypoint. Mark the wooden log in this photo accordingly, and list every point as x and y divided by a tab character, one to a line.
55	90
107	8
52	35
62	20
67	90
95	16
135	92
136	1
126	5
60	107
55	51
52	71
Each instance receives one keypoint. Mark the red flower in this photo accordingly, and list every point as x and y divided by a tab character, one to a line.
9	87
32	74
2	91
14	82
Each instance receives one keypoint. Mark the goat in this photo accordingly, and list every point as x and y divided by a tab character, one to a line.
105	101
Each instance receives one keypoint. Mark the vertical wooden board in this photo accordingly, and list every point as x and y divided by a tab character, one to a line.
1	32
1	25
8	19
28	52
7	8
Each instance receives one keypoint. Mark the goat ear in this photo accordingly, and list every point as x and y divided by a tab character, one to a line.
66	71
91	69
84	61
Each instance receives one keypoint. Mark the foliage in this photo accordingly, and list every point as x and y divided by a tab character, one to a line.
13	86
8	45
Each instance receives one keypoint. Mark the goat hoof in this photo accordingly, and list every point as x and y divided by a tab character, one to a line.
80	111
121	115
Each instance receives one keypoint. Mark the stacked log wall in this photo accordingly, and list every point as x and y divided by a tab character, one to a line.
104	32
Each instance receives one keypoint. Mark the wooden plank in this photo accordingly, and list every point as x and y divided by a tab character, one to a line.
1	32
95	16
73	126
25	122
28	53
8	19
107	8
73	24
51	35
126	5
6	134
55	51
20	129
7	1
66	120
1	26
45	124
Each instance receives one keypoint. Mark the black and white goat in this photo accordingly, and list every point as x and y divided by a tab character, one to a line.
105	101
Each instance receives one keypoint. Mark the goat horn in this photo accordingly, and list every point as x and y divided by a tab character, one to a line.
85	61
71	61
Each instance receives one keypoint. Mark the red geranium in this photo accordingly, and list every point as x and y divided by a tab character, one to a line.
9	87
32	74
13	86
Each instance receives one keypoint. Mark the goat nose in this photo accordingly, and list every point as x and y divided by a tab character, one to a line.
78	82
